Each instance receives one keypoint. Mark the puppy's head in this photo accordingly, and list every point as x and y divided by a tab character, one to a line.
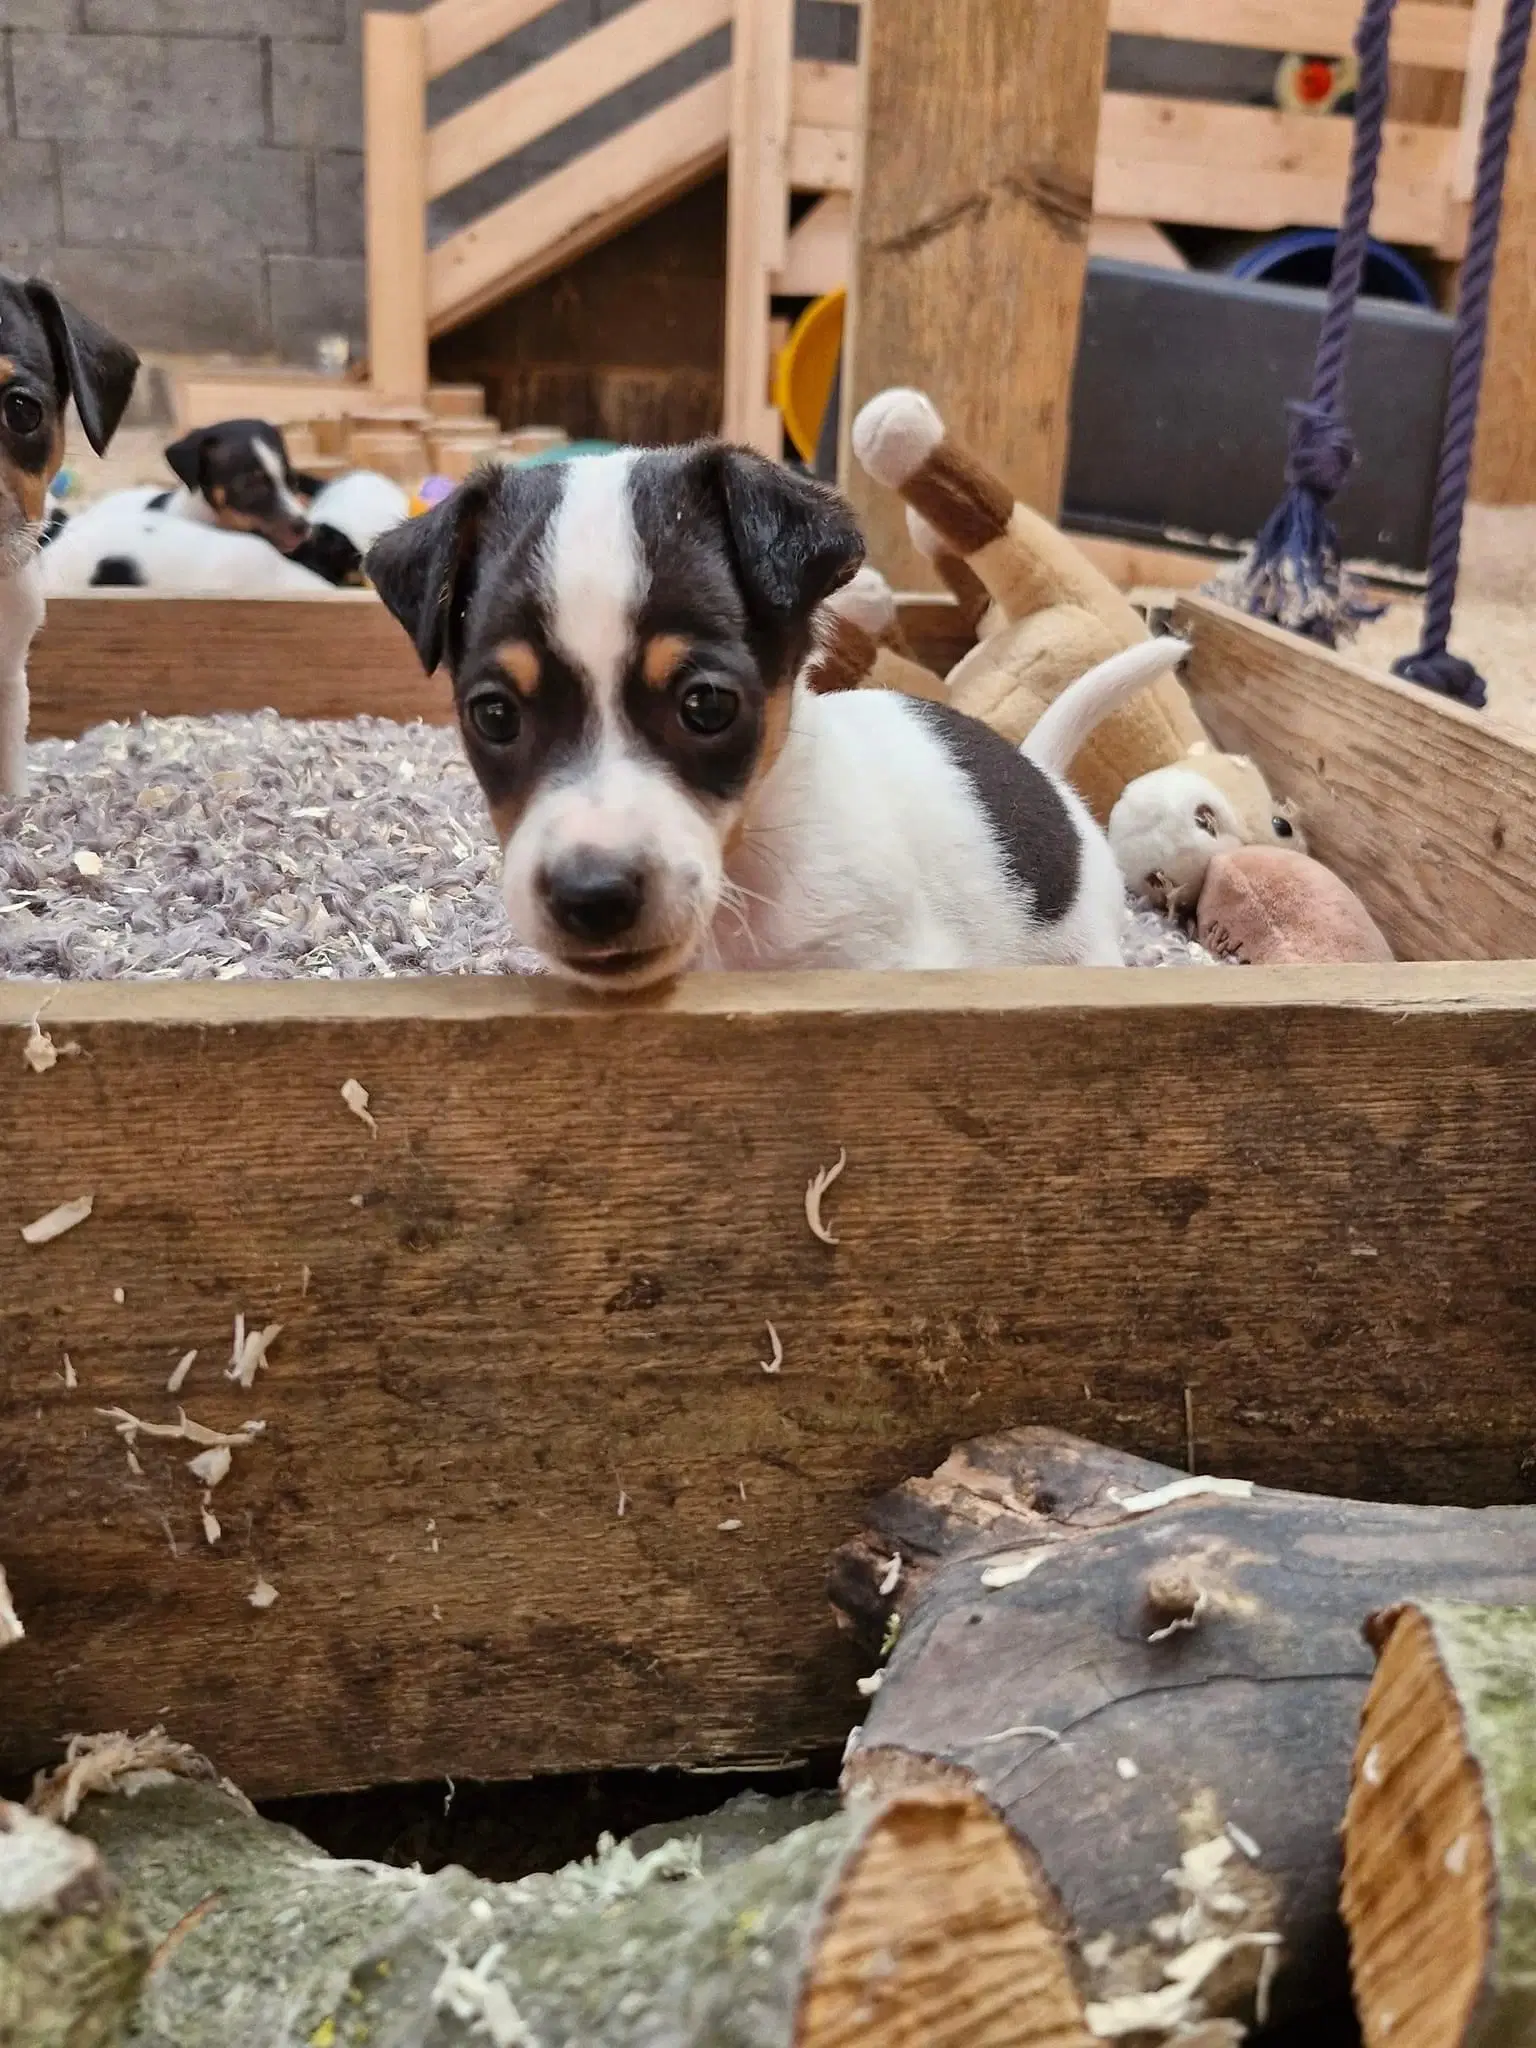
49	354
623	633
241	470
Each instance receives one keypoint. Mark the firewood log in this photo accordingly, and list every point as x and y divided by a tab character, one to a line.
1158	1685
913	1923
1440	1835
71	1961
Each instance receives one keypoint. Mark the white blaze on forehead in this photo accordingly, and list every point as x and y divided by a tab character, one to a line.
595	574
272	463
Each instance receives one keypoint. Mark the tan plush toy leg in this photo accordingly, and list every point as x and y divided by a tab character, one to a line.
1064	615
861	645
979	612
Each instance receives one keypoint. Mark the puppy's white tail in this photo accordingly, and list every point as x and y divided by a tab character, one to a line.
1064	726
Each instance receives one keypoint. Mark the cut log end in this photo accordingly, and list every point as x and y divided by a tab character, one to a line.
939	1934
71	1961
1422	1867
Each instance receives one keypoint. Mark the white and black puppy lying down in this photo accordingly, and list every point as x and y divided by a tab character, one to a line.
150	539
625	635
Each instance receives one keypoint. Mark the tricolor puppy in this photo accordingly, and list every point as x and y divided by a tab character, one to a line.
625	635
237	475
49	354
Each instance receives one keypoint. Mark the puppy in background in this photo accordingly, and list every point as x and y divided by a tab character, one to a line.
49	353
626	635
237	475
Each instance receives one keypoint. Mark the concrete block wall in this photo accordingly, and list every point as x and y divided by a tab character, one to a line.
191	171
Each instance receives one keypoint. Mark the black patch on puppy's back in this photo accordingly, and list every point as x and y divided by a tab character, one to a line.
1036	834
117	572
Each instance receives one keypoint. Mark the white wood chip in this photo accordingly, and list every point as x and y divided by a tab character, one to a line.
118	1297
356	1097
871	1685
253	1354
11	1630
726	1526
776	1363
1241	1839
129	1427
1012	1570
211	1466
212	1530
68	1216
1186	1489
890	1578
815	1189
71	1377
133	1463
238	1350
262	1594
40	1053
86	862
1127	1768
182	1367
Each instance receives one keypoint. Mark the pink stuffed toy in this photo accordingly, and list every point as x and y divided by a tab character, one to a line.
1267	907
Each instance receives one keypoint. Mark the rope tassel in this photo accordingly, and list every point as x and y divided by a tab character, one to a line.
1293	574
1432	664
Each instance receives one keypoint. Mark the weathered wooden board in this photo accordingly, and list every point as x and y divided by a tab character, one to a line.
1427	809
541	1296
971	234
323	657
116	656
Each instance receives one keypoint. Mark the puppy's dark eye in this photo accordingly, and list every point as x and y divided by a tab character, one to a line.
708	708
1283	828
22	413
495	718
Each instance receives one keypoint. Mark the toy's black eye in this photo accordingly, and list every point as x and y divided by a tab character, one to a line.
708	708
22	413
1205	818
495	717
1283	828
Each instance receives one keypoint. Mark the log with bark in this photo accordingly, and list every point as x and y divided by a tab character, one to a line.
71	1959
1158	1681
1440	1835
908	1923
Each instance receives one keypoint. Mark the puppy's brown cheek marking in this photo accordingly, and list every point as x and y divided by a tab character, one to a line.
519	663
664	655
506	816
778	708
28	493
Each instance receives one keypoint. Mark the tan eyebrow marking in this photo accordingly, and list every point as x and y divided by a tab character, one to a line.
664	655
519	663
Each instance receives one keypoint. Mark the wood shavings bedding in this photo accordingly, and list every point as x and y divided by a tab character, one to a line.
270	849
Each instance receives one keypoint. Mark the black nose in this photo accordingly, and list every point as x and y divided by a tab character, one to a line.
594	895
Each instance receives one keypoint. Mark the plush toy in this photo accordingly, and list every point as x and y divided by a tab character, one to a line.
432	492
1054	615
1266	907
1167	827
860	644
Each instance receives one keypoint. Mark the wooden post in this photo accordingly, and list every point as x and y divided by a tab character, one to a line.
758	217
980	125
395	136
1505	473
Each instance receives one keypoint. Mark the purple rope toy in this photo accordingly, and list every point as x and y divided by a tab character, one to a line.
1433	664
1293	574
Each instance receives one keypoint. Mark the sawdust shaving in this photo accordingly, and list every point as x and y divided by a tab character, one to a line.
95	1764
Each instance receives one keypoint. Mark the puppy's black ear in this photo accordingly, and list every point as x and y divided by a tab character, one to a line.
186	457
795	540
90	365
424	569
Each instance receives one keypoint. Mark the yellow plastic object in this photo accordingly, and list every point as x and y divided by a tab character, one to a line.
807	363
